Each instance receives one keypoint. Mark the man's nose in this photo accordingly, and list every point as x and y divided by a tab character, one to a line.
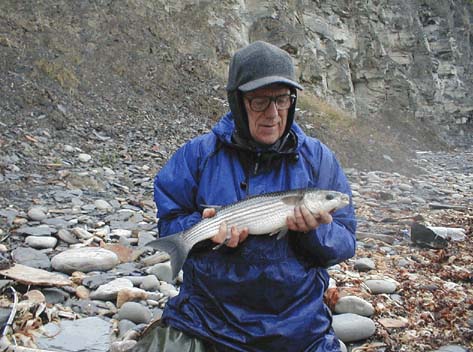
271	110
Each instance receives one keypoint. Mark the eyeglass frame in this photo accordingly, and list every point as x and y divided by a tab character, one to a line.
271	100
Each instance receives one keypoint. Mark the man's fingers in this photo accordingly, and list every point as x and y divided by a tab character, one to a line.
325	218
310	221
243	235
209	212
234	239
222	233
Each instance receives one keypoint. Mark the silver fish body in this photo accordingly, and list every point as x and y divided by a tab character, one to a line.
262	215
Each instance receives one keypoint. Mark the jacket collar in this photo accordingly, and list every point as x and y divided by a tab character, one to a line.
225	132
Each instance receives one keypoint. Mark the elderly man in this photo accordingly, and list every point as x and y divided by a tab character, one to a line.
255	293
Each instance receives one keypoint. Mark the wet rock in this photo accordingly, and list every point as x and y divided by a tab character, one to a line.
41	242
124	326
55	295
9	215
352	327
82	233
131	294
37	214
94	280
150	283
168	290
364	264
162	271
423	236
58	223
110	290
123	346
31	276
4	315
134	312
4	284
5	262
84	158
67	236
102	204
31	257
40	230
84	259
69	335
35	296
355	305
381	286
82	292
452	348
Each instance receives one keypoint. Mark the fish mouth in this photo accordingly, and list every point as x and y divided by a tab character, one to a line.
344	200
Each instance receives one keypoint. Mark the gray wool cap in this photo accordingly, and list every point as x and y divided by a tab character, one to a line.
260	64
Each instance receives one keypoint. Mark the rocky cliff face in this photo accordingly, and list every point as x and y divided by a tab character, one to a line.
401	59
402	69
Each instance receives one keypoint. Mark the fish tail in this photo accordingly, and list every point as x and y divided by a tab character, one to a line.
176	247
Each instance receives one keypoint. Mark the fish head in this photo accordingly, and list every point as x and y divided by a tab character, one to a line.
321	200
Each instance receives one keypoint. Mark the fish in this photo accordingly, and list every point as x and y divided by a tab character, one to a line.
264	214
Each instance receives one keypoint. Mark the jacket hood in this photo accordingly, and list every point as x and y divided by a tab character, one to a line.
254	66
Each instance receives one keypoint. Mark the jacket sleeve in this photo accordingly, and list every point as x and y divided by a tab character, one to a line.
335	242
175	188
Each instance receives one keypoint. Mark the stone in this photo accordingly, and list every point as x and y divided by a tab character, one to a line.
102	204
131	294
168	290
84	158
352	327
35	296
452	348
55	295
158	257
82	292
41	242
88	334
31	276
94	280
124	326
67	236
84	259
135	312
58	223
150	283
40	230
381	286
31	257
4	315
364	264
110	290
37	214
82	233
355	305
162	271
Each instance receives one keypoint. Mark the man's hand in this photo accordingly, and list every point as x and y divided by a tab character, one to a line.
304	221
236	236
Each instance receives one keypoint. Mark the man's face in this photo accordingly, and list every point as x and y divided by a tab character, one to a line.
266	126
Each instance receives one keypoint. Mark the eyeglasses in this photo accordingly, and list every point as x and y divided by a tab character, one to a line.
261	103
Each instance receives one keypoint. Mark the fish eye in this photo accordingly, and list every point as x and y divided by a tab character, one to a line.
329	196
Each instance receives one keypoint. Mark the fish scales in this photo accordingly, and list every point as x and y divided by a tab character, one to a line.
241	215
260	219
262	214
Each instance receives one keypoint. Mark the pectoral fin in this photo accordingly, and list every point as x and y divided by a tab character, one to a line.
292	200
282	233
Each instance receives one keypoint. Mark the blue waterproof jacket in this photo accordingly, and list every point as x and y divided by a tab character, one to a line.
266	294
